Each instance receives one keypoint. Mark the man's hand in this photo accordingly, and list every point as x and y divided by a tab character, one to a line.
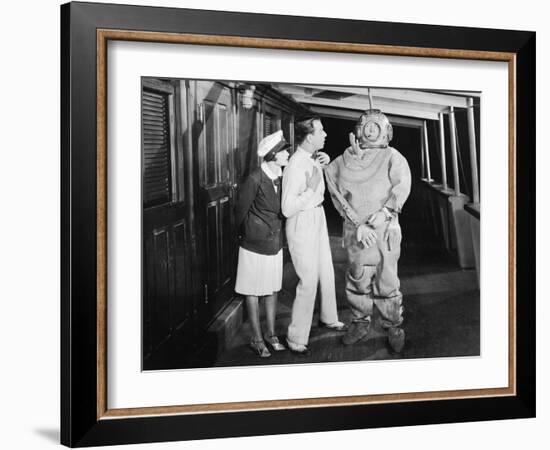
354	144
377	219
313	180
322	158
366	235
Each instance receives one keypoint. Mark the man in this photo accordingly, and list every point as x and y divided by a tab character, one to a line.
307	235
369	184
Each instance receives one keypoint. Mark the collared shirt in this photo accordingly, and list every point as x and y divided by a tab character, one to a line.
272	176
296	195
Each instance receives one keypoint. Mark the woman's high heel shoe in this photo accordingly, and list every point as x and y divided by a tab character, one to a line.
260	349
273	342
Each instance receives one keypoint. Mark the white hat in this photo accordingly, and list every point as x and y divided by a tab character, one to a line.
270	142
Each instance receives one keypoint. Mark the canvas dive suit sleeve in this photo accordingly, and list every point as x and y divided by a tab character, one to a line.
400	178
340	203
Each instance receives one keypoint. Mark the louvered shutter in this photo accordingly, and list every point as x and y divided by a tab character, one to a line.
269	124
156	148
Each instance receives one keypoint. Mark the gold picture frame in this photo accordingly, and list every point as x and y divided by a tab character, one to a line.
108	425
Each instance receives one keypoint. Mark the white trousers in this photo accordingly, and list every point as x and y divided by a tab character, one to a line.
309	247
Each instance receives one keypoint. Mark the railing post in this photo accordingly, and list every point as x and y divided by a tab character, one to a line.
442	151
422	157
427	151
452	126
473	150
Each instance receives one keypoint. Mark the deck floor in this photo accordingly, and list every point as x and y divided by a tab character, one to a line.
442	313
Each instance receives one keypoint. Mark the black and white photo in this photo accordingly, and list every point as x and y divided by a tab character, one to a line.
303	223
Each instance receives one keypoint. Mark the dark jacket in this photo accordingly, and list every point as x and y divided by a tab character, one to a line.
258	214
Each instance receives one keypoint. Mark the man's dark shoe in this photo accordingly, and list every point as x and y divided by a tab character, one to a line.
305	352
359	329
396	339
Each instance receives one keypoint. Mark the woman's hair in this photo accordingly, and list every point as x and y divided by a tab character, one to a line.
303	127
270	156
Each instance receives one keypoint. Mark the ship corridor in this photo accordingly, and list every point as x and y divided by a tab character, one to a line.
440	298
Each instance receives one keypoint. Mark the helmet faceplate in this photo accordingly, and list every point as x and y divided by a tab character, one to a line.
373	129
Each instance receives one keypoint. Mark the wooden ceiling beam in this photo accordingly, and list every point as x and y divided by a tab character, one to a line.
339	113
385	107
409	95
442	99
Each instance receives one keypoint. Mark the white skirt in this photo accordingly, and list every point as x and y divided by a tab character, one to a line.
259	274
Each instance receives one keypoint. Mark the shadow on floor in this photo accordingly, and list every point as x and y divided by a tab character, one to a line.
441	305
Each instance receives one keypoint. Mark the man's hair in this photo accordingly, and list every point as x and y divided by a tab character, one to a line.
303	127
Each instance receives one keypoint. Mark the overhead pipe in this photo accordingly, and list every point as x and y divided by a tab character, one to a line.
370	99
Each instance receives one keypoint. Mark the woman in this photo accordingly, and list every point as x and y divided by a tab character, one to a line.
258	216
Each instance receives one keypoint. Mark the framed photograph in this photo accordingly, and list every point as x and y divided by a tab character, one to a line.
280	224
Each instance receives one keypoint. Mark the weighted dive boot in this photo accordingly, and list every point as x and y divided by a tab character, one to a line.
396	338
358	329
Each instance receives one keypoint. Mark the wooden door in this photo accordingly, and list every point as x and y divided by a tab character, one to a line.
216	149
167	302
